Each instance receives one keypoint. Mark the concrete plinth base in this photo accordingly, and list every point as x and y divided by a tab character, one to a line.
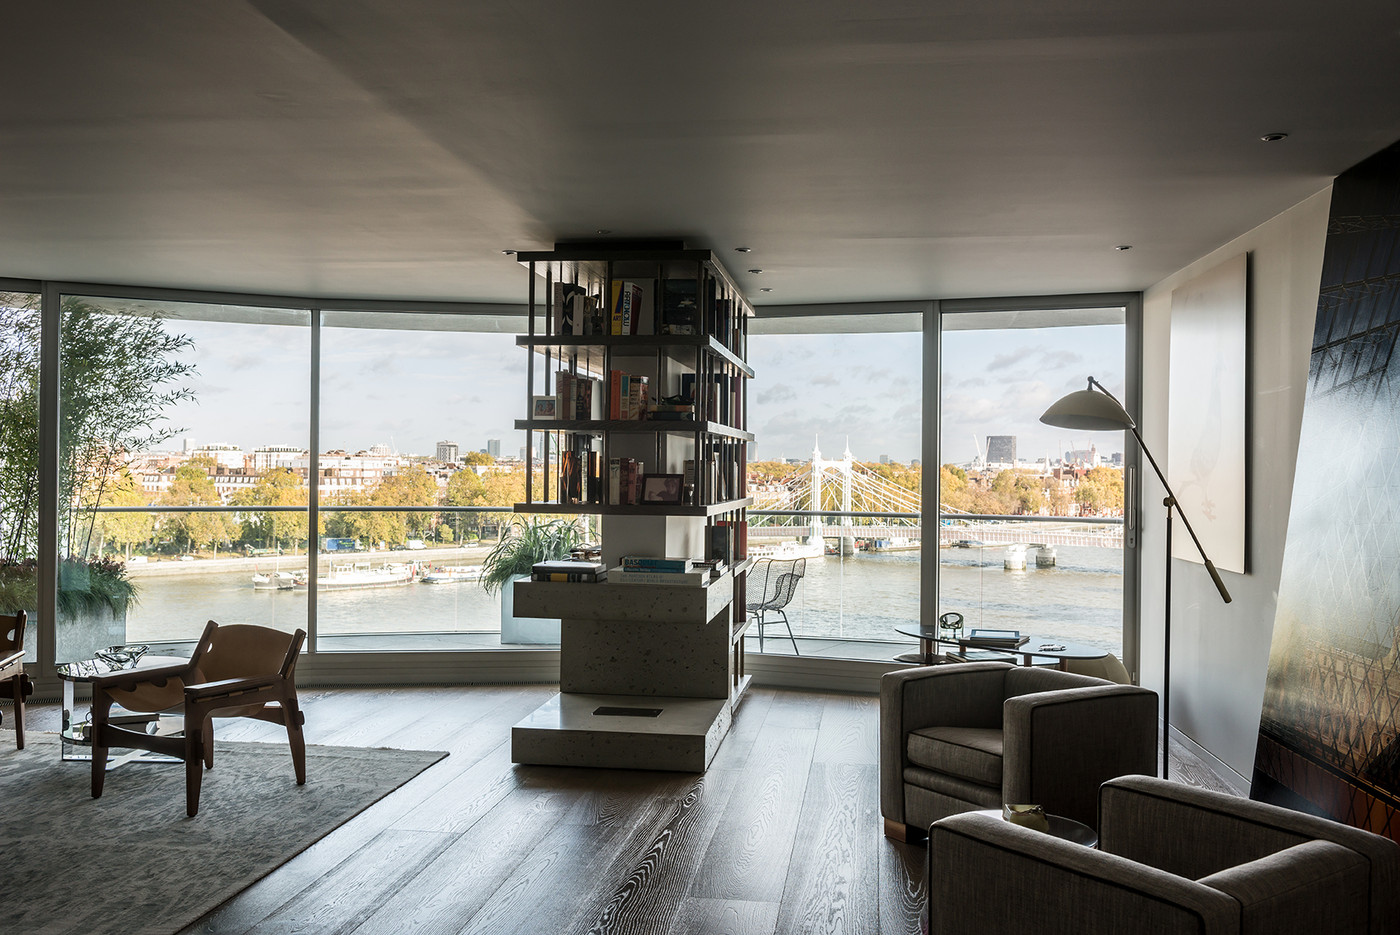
568	731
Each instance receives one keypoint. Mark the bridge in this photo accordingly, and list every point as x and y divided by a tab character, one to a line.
855	502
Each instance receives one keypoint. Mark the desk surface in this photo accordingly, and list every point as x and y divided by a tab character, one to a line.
1032	647
85	670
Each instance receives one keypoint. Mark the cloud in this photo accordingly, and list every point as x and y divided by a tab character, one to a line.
778	393
1010	358
825	379
1061	358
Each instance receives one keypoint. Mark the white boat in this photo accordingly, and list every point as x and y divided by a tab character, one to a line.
361	575
787	550
448	574
274	581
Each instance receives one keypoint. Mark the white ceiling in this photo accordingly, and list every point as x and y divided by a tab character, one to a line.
865	151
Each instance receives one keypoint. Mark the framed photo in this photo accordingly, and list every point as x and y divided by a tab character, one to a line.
662	488
544	407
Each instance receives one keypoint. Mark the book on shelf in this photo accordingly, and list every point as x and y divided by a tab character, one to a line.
650	563
1008	639
578	577
618	575
627	395
571	309
580	397
625	481
572	571
580	472
680	314
568	565
981	655
626	307
727	541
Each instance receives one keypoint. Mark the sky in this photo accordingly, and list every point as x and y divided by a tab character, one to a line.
411	389
999	382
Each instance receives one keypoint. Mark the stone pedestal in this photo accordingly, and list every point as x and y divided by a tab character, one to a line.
646	676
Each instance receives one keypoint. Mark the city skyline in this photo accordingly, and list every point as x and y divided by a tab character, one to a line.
411	389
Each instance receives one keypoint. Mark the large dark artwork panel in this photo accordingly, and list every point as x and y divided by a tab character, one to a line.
1329	738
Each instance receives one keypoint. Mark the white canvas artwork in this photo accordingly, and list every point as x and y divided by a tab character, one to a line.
1208	425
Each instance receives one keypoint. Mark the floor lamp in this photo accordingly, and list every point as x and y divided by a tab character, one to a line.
1101	412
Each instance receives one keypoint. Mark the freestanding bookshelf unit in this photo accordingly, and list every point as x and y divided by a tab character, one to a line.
642	350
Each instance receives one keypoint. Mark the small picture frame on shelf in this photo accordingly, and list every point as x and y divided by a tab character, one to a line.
544	407
662	488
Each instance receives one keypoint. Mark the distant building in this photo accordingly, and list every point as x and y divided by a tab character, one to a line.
1001	449
884	459
274	456
1084	458
229	457
447	452
493	447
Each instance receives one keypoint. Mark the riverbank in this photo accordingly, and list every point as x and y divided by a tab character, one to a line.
202	566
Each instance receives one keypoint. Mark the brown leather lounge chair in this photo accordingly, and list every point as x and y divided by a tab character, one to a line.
235	671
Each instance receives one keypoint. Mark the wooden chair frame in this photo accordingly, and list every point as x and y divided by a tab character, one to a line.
275	695
12	667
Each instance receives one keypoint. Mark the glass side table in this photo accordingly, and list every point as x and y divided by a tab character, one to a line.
76	744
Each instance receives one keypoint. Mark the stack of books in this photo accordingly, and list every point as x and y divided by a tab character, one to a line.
671	411
567	570
641	569
1000	639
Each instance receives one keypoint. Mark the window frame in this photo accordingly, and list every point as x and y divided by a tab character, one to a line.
542	665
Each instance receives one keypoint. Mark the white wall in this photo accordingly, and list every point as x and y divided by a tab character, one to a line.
1220	652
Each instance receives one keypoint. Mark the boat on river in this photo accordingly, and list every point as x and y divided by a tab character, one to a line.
450	574
788	550
361	575
273	581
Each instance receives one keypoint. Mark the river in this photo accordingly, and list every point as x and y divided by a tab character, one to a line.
862	597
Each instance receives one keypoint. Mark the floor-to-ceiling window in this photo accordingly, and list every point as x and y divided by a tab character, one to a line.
220	458
420	467
1032	518
181	495
19	459
836	407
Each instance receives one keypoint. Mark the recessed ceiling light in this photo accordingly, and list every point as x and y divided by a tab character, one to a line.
741	249
755	271
1273	137
604	230
766	289
1123	246
508	252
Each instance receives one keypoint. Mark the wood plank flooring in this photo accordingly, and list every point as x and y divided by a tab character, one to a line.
781	835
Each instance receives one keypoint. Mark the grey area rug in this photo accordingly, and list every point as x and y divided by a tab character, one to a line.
131	862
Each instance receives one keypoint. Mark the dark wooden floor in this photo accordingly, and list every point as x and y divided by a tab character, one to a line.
782	834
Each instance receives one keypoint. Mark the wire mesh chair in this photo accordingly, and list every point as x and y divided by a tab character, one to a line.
780	581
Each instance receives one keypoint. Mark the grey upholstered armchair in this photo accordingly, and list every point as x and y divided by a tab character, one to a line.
1171	858
959	737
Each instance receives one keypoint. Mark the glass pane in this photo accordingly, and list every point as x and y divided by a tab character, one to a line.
417	410
838	424
169	404
227	579
1057	573
19	460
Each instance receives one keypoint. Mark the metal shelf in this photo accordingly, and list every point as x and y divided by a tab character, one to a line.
589	348
639	509
635	426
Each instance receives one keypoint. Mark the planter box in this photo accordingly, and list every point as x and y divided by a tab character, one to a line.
529	630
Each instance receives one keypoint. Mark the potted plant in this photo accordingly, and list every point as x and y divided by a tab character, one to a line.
93	598
524	543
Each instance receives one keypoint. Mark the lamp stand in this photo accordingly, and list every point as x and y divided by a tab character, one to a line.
1168	502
